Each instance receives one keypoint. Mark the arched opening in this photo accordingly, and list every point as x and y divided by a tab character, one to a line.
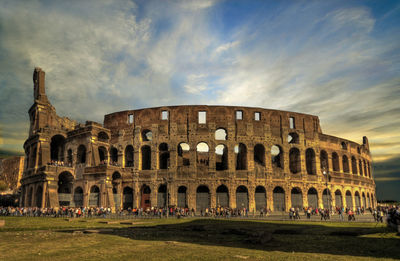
202	198
310	162
102	137
343	145
65	183
163	156
129	156
294	160
338	199
221	157
183	154
277	156
202	154
94	196
368	201
241	156
279	199
146	157
293	138
260	198
365	169
162	196
242	198
324	162
116	180
354	165
38	196
57	145
360	168
78	197
259	155
222	196
127	198
182	197
369	170
147	135
114	156
103	157
364	199
297	198
326	199
357	199
349	200
312	197
345	162
81	154
335	161
145	197
221	134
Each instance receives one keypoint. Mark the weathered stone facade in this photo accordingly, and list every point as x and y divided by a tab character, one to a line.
200	156
11	172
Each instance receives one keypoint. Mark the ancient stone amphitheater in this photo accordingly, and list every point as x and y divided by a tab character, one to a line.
191	156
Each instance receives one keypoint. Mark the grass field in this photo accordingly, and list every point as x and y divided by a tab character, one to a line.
194	239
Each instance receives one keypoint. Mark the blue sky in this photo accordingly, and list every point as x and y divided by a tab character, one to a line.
335	59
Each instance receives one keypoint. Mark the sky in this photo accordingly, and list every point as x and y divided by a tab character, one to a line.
339	60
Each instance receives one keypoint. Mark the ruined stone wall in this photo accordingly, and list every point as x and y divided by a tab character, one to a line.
11	170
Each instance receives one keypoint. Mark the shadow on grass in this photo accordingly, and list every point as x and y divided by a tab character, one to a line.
285	237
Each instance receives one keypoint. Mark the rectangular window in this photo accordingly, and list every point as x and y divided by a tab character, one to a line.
202	117
239	115
130	118
257	116
291	123
164	115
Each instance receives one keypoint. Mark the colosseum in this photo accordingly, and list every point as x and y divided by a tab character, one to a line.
191	156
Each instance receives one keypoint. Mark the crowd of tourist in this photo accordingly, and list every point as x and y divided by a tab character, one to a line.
59	163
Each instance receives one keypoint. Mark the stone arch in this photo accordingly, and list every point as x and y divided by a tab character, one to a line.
338	198
260	198
345	164
114	155
294	160
312	198
221	134
222	196
279	199
349	200
241	156
202	198
147	135
129	157
145	192
65	184
221	157
162	196
183	154
81	154
368	200
242	197
354	165
163	156
343	145
293	138
357	199
335	162
259	154
326	199
360	168
182	201
103	155
38	196
364	200
202	154
277	156
94	196
146	157
310	161
78	197
57	146
127	197
69	157
324	161
103	136
297	198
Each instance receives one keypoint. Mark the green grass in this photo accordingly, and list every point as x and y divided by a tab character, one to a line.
195	239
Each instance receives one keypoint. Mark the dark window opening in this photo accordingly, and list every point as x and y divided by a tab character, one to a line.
294	160
310	161
277	156
324	161
345	162
147	135
81	155
241	156
146	157
259	155
335	161
163	156
129	156
183	154
57	145
293	138
221	157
